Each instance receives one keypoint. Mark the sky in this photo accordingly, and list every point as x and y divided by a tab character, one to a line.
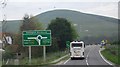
16	9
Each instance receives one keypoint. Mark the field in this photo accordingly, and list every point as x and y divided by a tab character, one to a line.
111	54
50	57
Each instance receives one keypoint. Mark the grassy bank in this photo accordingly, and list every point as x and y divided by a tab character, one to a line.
111	54
0	63
39	61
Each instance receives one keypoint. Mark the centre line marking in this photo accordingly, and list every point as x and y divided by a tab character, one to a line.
87	56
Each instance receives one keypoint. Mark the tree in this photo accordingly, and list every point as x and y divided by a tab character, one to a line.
63	31
28	23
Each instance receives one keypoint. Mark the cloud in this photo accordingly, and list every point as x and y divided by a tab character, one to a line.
105	9
64	0
16	10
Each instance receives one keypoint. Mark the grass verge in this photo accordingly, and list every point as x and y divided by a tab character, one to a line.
49	58
0	63
111	57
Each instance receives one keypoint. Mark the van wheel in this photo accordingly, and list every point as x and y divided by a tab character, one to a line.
83	53
72	58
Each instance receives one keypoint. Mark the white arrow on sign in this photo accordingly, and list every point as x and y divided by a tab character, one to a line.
37	38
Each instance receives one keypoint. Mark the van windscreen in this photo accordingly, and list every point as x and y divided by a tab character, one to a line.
76	44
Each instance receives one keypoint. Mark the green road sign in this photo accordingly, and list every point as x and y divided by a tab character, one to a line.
36	38
67	44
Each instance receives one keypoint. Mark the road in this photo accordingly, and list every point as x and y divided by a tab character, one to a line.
92	57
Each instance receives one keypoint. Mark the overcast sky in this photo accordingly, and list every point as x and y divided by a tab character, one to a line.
16	9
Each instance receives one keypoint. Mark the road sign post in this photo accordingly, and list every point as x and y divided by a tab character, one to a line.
44	53
29	54
37	38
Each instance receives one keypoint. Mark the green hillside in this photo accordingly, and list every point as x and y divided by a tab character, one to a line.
87	24
12	26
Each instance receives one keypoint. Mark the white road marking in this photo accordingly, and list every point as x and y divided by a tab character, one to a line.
69	58
87	57
66	61
104	58
87	62
7	61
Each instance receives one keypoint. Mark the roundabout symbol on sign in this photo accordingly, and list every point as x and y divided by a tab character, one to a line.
38	38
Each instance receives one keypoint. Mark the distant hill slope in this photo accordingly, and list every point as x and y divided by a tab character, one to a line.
87	24
12	26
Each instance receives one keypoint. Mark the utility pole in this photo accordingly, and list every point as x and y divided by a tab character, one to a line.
4	4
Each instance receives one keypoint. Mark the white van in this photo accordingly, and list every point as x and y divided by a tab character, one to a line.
77	49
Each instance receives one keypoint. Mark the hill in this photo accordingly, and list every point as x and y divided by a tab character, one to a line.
86	24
